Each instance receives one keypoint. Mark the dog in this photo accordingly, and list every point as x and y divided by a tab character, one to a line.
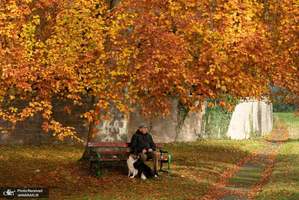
137	167
144	171
130	162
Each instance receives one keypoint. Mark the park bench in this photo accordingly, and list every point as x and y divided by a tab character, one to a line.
117	152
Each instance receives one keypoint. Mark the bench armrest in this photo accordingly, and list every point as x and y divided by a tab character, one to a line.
163	151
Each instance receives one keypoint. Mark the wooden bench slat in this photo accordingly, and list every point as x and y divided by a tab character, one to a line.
108	144
113	159
116	159
123	159
113	152
115	144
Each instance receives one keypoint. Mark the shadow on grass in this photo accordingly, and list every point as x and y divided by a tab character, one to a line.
292	140
205	156
196	166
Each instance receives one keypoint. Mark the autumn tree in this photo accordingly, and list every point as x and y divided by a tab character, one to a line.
205	48
281	19
128	54
62	49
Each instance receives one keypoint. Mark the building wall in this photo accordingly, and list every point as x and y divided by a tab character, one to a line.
247	118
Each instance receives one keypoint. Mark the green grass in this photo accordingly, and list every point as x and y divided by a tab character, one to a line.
291	121
196	166
248	175
284	182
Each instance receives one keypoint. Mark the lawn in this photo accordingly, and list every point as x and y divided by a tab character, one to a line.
291	121
284	182
288	117
196	166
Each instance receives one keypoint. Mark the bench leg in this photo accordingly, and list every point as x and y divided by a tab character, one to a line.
90	165
96	166
161	165
98	171
169	161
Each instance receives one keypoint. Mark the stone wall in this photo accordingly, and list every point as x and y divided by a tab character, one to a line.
30	131
114	129
27	132
163	129
192	128
248	119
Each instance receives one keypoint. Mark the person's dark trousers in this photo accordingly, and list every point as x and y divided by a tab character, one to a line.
154	155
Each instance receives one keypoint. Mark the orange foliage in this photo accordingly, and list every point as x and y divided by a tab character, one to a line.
143	52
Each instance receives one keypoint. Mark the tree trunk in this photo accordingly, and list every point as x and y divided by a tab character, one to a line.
85	156
91	127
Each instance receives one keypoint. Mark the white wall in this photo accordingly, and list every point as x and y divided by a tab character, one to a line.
250	117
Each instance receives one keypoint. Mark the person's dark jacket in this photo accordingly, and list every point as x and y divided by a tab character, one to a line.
141	141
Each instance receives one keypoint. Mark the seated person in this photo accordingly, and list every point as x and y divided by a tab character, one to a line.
142	144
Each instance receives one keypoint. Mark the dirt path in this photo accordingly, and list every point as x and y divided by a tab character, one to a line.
252	173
